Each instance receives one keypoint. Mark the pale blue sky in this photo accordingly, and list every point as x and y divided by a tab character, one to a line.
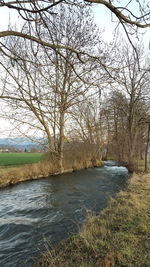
103	19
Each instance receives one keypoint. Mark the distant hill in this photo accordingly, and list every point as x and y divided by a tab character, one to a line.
20	143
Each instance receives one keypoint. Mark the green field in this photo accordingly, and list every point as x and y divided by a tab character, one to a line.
14	159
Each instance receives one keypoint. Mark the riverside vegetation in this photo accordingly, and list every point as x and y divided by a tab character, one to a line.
119	236
74	159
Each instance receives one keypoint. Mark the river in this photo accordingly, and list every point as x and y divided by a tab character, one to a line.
38	214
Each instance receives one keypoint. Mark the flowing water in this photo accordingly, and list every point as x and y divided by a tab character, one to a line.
38	214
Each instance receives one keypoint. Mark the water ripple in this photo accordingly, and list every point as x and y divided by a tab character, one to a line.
46	211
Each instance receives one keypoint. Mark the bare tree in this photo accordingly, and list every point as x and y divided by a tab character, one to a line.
127	105
147	147
115	112
131	15
86	117
41	85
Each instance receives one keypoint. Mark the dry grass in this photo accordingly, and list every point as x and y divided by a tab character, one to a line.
27	172
120	236
74	159
81	156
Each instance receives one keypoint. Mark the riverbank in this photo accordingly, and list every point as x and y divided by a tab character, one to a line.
45	168
119	236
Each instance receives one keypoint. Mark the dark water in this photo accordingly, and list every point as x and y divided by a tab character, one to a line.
38	214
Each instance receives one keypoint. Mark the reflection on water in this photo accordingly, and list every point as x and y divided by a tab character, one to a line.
36	212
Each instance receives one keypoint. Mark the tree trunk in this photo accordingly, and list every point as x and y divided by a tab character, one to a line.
61	142
49	138
146	148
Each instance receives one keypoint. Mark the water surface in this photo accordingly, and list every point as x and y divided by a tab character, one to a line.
38	214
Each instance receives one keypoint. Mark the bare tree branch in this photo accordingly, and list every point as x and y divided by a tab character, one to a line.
122	18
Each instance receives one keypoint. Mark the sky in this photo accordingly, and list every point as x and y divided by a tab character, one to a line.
102	18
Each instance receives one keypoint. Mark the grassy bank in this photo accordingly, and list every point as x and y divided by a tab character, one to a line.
47	166
120	236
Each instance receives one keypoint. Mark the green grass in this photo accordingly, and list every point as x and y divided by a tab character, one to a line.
14	159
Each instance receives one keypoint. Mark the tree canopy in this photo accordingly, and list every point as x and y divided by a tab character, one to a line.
132	15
